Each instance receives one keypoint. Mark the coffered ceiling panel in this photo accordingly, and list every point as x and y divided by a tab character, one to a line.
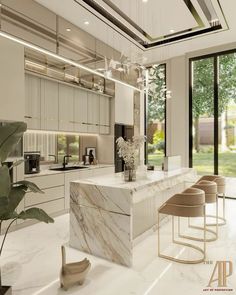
155	18
152	23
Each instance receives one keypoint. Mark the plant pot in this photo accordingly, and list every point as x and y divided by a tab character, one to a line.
129	173
5	290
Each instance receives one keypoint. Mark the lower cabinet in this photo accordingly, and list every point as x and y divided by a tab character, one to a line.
52	207
50	194
52	199
56	189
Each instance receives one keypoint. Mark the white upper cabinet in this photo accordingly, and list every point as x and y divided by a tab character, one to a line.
124	104
80	110
66	108
49	105
32	102
104	115
12	76
58	107
93	112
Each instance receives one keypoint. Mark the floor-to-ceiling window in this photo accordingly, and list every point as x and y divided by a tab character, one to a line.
203	115
155	115
213	116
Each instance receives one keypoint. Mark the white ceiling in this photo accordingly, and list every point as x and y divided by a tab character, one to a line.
177	17
156	18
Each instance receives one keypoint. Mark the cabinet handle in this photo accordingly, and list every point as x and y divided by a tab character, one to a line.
28	117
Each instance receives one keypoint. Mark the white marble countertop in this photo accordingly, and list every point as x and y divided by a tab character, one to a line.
47	171
116	180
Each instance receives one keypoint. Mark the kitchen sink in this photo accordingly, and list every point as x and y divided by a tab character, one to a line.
67	168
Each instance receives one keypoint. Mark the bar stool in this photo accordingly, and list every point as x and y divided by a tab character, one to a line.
189	203
220	181
210	189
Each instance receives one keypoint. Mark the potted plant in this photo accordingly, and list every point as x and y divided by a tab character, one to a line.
129	151
11	194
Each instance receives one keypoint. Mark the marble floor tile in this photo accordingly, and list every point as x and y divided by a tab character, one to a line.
31	262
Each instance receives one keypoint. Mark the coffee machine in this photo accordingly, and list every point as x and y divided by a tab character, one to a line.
32	162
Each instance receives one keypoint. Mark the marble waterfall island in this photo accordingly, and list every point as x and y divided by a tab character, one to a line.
107	214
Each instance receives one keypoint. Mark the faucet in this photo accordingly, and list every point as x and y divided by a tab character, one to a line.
64	160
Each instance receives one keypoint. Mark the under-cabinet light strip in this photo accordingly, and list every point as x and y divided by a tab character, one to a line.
59	132
63	59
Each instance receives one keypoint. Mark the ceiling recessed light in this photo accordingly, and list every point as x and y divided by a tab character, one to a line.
145	1
86	22
172	31
68	29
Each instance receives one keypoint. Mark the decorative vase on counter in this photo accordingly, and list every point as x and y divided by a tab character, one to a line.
129	151
129	173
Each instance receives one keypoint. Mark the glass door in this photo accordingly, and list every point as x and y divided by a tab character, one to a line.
203	115
213	117
227	120
156	116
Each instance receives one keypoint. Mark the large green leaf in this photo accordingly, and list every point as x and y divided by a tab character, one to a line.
3	206
35	213
9	215
15	197
29	185
5	182
10	135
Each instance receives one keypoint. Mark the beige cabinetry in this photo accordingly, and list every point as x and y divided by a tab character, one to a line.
49	105
93	113
12	98
32	102
80	110
52	199
104	110
55	106
66	108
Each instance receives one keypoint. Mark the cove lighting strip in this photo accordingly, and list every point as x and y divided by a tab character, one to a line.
32	131
63	59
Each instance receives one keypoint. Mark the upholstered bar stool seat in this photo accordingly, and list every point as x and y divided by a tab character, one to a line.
210	189
190	203
221	187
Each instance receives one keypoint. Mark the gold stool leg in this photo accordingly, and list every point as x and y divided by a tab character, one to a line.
204	236
203	251
224	207
158	232
217	220
220	218
214	233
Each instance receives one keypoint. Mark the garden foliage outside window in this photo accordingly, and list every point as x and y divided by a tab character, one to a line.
68	145
156	108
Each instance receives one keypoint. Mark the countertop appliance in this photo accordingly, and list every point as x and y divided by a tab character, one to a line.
127	132
32	162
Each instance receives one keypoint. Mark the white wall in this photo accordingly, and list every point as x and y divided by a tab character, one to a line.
177	109
124	103
12	83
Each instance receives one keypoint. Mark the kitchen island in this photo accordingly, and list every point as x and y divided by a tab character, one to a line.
107	214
